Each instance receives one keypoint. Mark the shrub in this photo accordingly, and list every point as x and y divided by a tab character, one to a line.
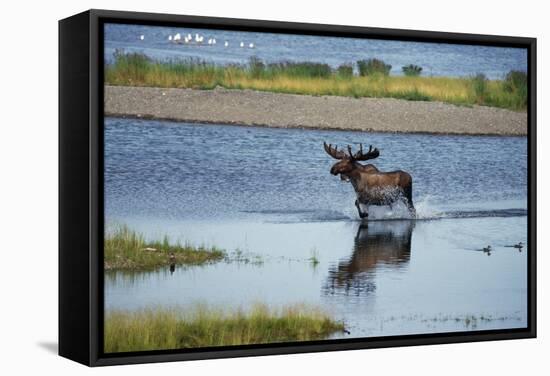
412	70
345	71
300	69
373	66
515	82
479	84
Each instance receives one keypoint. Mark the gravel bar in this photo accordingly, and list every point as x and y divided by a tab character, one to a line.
248	107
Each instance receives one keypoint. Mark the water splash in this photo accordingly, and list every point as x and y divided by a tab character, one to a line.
426	209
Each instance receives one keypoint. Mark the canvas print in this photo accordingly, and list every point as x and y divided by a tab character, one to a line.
265	188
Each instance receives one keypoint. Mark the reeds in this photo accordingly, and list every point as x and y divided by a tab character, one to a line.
202	326
319	79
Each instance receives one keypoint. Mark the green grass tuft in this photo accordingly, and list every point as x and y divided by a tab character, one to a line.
162	329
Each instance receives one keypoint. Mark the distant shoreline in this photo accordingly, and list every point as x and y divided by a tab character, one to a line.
257	108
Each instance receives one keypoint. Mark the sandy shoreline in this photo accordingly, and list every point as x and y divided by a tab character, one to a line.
247	107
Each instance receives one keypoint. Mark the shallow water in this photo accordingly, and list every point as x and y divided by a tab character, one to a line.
214	172
268	193
437	59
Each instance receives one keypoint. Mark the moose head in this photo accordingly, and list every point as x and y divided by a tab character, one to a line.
347	160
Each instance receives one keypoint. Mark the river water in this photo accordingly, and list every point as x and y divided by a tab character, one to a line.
267	193
437	59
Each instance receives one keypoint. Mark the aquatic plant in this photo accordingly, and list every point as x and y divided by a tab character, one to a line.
373	67
203	326
244	257
314	259
412	70
128	249
470	321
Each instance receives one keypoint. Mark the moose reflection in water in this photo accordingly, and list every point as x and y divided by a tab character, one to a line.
378	245
372	186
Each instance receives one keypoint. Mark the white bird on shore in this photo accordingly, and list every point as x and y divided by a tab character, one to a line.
189	37
142	37
209	40
177	37
169	37
197	38
242	44
213	40
226	44
251	45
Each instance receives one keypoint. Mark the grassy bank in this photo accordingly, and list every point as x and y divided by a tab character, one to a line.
127	249
371	80
203	327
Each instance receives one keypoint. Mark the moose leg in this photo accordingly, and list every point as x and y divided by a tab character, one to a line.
362	214
408	198
412	210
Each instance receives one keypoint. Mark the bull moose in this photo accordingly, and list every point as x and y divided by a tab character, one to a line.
373	187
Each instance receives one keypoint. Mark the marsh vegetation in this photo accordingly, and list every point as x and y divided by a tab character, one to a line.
128	249
364	78
203	326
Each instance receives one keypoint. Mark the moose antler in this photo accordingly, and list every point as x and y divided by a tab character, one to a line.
360	156
334	152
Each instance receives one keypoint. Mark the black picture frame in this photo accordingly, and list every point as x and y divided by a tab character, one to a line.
81	187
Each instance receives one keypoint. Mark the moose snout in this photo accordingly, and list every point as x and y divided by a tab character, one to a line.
333	170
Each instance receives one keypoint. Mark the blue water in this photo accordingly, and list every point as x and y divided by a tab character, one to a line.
437	59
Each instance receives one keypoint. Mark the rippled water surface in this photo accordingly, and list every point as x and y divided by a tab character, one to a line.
437	59
268	194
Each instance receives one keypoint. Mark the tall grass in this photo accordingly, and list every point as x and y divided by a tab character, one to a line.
159	329
317	79
127	249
